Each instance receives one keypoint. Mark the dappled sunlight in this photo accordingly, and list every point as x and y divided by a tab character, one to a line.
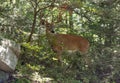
39	78
31	78
47	29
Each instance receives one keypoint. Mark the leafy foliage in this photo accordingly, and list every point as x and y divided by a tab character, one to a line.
98	21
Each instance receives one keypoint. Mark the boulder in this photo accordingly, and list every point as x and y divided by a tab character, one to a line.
3	76
9	51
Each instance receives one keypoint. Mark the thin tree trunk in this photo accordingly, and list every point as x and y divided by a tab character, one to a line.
33	26
70	19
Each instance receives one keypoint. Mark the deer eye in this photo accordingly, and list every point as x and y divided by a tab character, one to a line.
52	31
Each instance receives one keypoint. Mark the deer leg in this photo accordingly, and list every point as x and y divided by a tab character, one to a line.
59	57
58	51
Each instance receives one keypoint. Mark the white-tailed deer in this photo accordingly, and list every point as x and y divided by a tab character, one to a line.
65	42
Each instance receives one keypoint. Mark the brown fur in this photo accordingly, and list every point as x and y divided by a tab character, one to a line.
64	42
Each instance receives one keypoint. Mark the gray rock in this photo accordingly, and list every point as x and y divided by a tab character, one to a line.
9	51
3	76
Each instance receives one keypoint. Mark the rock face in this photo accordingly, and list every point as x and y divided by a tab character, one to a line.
3	76
9	51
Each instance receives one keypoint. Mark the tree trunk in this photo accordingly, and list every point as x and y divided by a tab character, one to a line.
33	26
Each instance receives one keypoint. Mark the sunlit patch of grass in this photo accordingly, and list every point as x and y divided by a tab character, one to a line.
31	72
36	76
